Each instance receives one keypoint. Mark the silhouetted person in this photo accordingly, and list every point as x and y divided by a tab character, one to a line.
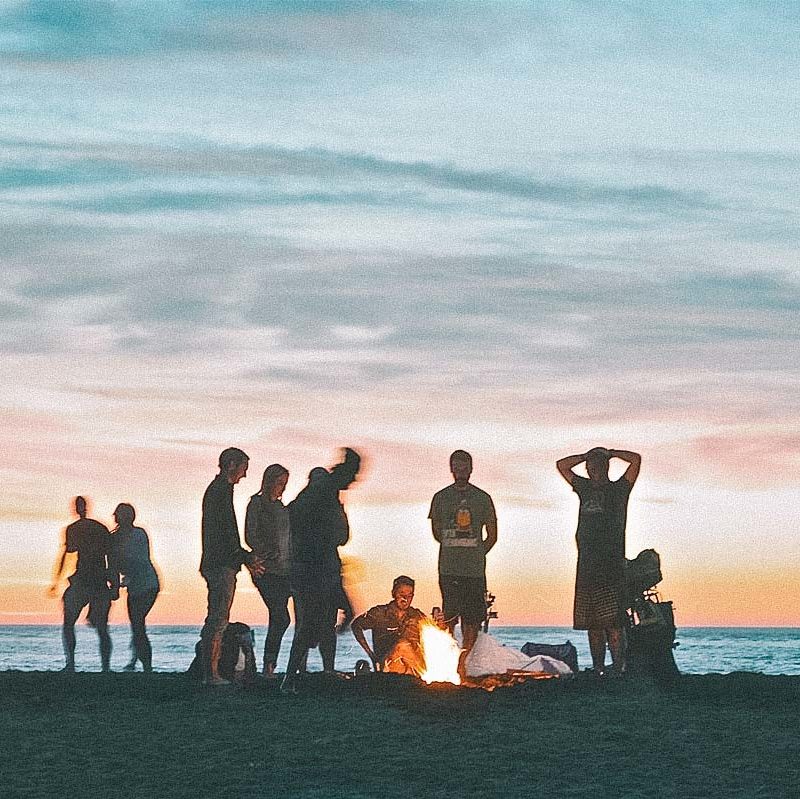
459	514
395	629
131	557
94	583
599	583
319	527
222	558
267	533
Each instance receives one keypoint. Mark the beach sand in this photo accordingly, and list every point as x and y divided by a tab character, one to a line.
133	735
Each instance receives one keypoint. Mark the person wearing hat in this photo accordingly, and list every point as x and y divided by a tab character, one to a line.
599	603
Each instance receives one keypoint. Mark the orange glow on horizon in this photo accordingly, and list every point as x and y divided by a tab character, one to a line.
700	600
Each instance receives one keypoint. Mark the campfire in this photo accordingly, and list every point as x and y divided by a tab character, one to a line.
441	653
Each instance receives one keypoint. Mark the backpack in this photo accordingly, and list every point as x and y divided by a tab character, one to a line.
237	661
565	652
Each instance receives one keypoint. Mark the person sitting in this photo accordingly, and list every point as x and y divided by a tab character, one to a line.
395	631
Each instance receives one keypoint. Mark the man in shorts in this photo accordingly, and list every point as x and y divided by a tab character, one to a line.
94	583
599	583
459	515
222	557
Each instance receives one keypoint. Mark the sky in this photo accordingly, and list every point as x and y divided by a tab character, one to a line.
519	228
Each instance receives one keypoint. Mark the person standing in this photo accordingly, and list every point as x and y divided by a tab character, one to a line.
459	515
599	604
95	582
130	548
319	527
267	533
222	557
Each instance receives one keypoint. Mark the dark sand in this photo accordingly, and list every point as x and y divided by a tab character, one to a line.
127	735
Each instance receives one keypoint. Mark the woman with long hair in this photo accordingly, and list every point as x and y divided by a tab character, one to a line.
267	534
131	557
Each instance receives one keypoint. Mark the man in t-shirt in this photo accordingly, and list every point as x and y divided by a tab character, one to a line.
395	631
459	514
599	583
94	583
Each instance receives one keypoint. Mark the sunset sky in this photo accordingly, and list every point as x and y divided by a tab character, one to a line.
519	228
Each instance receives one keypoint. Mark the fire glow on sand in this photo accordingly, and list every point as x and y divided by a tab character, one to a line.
441	653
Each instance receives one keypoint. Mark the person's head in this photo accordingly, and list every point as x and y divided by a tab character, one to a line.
597	463
124	514
403	591
274	481
233	464
317	473
461	466
80	507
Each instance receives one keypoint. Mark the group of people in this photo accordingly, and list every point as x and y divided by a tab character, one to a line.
106	561
294	553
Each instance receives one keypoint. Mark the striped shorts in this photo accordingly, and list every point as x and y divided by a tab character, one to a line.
597	607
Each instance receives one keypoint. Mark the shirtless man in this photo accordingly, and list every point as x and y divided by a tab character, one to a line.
94	583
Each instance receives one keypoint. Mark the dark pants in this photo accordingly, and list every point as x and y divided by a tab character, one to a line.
139	605
75	599
316	597
275	592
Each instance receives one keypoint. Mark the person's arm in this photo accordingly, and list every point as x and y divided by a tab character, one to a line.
344	473
491	534
226	532
358	626
566	465
58	570
251	523
112	567
344	525
634	460
436	525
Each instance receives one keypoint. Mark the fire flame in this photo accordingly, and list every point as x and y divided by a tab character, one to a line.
441	653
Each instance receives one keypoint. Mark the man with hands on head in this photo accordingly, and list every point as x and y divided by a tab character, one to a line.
599	604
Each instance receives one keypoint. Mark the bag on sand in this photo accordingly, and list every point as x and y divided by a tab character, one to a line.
237	661
565	652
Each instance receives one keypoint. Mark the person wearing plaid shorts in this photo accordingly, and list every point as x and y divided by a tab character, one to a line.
599	604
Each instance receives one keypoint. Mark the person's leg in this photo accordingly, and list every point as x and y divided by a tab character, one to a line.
278	621
617	644
472	600
139	606
344	604
99	608
597	646
275	592
450	606
327	631
303	608
262	585
130	603
221	588
74	602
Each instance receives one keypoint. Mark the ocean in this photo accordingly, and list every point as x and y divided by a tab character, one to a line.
700	650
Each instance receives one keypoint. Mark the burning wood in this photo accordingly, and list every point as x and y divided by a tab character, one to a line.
441	653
